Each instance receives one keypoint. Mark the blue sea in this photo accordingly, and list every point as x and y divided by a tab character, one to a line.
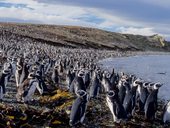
153	68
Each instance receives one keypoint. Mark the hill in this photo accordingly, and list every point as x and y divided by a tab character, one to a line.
75	37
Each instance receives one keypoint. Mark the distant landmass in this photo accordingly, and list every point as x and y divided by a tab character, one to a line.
83	37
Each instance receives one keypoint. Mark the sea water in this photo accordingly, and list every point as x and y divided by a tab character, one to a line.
152	68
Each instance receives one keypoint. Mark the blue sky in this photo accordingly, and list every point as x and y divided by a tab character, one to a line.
144	17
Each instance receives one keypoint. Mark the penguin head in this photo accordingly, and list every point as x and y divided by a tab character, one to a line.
56	66
38	73
26	60
6	71
137	82
7	65
81	73
150	87
31	75
43	62
111	93
157	86
108	75
81	93
145	84
74	70
34	68
122	74
124	77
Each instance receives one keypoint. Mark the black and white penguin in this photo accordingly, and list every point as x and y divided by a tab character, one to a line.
78	108
25	72
150	107
130	98
13	63
87	79
69	78
115	106
55	76
142	94
122	85
8	66
60	67
27	89
42	84
95	86
78	83
19	68
47	65
106	83
114	78
166	113
3	82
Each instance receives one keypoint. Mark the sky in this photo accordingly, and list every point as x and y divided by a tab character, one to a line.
143	17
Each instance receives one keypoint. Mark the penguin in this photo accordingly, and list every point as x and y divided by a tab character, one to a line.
3	82
114	78
41	82
8	66
13	63
26	90
95	86
150	107
106	83
121	90
87	79
55	76
166	113
47	65
78	83
60	67
141	96
115	106
78	108
25	72
69	78
41	68
19	68
130	98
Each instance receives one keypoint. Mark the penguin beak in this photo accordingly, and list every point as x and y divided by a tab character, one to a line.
158	85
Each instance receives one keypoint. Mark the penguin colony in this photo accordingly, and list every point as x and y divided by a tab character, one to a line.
31	62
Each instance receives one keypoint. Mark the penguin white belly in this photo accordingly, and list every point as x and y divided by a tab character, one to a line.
139	90
83	117
6	81
110	105
166	117
68	82
17	78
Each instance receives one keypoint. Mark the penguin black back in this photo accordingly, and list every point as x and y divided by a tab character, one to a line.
151	102
78	108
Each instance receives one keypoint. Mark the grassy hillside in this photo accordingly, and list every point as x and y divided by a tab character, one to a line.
74	36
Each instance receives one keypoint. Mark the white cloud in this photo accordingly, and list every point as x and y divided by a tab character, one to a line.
59	14
70	15
44	13
137	31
